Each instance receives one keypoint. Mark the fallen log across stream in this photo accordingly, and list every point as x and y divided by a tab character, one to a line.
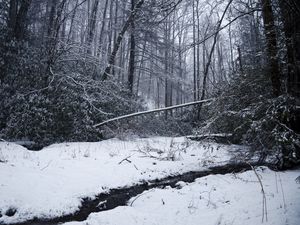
120	196
154	111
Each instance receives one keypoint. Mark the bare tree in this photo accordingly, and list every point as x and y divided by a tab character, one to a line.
116	46
209	58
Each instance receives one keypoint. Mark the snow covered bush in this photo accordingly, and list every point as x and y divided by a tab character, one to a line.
255	118
64	112
272	134
236	106
57	104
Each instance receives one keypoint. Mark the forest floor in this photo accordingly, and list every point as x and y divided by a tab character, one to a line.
59	179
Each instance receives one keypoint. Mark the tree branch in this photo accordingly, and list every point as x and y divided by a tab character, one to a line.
221	28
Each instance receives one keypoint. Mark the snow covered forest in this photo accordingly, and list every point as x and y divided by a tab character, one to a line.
150	112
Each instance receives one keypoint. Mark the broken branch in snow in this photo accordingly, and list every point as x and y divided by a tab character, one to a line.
126	159
153	111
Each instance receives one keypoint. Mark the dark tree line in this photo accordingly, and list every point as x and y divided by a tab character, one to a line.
66	65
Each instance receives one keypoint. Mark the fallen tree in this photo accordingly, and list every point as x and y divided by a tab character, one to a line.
154	111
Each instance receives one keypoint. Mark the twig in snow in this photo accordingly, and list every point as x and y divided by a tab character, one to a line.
2	159
283	197
135	167
276	182
146	192
219	221
209	199
264	208
147	154
102	205
46	165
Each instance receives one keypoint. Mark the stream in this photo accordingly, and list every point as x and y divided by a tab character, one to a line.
120	197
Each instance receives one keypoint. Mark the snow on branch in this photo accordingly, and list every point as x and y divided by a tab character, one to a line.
153	111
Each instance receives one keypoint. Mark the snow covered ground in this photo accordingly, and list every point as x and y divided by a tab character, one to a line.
213	200
52	182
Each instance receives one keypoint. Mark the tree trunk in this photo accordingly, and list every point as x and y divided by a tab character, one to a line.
102	29
70	34
194	55
12	15
141	64
271	42
111	60
198	51
291	21
240	60
132	52
92	26
51	18
18	18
